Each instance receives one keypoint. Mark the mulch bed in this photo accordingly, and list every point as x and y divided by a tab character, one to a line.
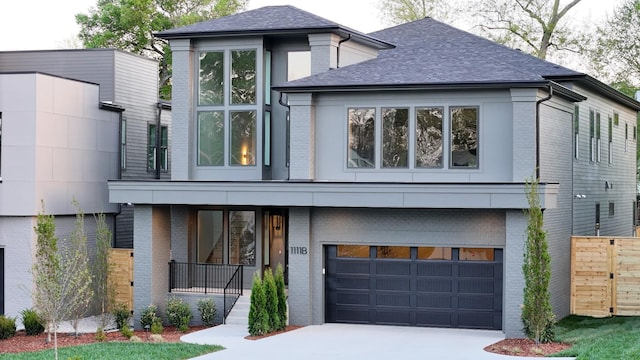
288	328
525	347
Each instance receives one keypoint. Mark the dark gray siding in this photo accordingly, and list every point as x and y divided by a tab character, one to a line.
96	66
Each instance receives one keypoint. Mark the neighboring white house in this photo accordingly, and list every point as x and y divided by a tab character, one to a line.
385	171
58	143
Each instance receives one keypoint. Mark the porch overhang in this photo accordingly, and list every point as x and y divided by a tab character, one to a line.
331	194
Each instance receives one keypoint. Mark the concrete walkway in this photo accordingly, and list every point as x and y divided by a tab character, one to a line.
342	341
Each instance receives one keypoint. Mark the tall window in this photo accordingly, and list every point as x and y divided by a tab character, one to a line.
361	138
610	134
210	237
464	137
598	143
242	237
429	141
626	138
123	144
395	138
592	138
227	123
153	151
576	131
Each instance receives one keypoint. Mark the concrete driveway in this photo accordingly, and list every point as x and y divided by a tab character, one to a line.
341	341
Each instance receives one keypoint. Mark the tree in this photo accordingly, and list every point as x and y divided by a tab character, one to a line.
536	26
282	297
396	12
258	316
102	269
616	54
537	315
75	262
271	295
61	276
129	25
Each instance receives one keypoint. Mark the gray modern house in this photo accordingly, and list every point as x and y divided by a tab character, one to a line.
70	120
386	171
131	82
58	143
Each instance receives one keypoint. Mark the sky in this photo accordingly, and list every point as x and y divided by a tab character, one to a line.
50	24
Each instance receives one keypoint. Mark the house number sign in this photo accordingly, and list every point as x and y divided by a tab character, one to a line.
298	250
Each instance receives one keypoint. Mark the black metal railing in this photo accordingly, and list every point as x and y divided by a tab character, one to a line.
202	278
233	290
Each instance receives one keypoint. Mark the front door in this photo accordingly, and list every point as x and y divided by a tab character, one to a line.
275	244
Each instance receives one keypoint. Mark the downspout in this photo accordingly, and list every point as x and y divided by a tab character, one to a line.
338	50
158	145
538	130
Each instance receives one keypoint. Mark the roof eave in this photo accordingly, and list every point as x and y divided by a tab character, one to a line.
600	87
355	36
424	86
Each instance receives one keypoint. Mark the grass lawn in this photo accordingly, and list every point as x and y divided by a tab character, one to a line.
598	339
121	350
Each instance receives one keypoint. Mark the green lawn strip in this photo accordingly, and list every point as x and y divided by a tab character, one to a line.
600	338
121	350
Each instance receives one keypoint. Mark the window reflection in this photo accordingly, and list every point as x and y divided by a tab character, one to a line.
242	238
464	137
395	138
211	138
210	236
353	251
361	138
434	253
298	64
429	137
243	138
476	254
393	252
243	77
211	78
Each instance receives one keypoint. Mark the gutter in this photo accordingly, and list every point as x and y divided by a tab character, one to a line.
547	98
338	50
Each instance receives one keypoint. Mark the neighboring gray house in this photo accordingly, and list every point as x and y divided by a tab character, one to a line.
385	171
131	82
58	143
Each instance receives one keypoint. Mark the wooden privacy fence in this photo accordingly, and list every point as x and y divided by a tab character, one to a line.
122	275
605	276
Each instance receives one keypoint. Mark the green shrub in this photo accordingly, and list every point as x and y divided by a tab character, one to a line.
271	296
7	327
126	332
207	310
100	335
148	316
121	314
156	326
32	322
282	297
178	313
258	317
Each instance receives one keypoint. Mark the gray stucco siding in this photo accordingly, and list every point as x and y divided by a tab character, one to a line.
494	122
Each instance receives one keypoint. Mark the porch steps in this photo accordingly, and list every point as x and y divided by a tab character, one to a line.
239	315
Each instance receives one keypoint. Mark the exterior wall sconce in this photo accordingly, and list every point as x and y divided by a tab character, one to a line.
580	196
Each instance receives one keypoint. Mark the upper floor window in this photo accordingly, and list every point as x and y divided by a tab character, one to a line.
227	123
395	138
123	144
429	142
362	137
576	131
610	134
154	151
298	64
626	137
598	143
399	149
592	138
464	137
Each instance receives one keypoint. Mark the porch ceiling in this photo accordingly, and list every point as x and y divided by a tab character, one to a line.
331	194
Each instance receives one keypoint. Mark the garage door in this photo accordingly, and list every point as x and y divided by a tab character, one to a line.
415	286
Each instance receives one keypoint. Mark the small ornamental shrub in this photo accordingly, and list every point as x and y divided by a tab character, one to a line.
156	327
148	316
207	310
282	297
100	335
121	314
271	296
135	339
178	313
258	317
156	338
7	327
32	322
126	332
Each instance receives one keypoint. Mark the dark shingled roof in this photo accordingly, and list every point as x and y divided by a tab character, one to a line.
269	20
429	52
